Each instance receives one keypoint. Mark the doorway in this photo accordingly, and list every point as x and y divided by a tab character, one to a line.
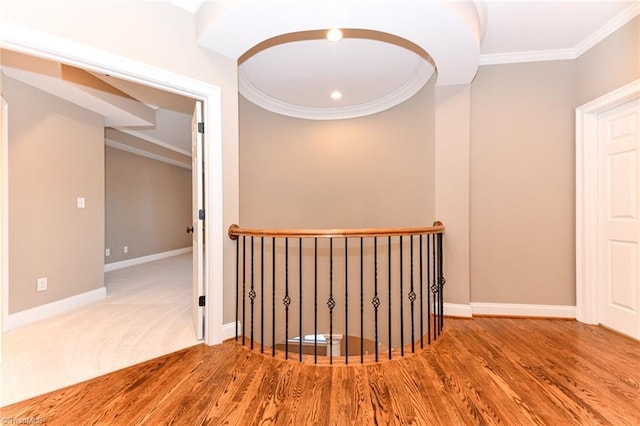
607	207
103	62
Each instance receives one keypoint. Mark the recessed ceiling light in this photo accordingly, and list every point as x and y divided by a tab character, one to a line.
336	94
334	34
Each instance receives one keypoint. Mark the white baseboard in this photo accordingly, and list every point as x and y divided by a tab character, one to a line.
229	330
39	313
523	310
458	310
144	259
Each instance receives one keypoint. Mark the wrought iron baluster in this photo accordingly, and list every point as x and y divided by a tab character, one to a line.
315	300
287	299
429	288
421	301
412	295
376	300
346	300
389	325
434	290
300	295
331	303
252	292
244	290
401	299
237	284
261	295
273	297
361	302
441	280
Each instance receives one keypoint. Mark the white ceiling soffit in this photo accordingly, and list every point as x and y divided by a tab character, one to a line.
439	28
297	78
78	87
295	74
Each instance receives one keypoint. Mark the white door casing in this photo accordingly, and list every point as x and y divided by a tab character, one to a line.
588	196
197	229
618	149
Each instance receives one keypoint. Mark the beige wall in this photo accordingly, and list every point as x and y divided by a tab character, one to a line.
522	184
375	171
148	206
56	154
610	64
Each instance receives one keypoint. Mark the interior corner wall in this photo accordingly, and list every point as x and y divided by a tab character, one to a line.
610	64
523	184
56	154
368	172
452	186
148	206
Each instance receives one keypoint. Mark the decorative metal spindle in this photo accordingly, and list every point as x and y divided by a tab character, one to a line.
286	300
261	295
429	289
376	300
237	284
273	297
421	301
390	341
315	300
346	301
244	291
252	292
441	280
401	299
300	295
412	295
434	289
331	303
361	303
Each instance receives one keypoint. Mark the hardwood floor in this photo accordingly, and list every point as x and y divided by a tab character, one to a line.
481	371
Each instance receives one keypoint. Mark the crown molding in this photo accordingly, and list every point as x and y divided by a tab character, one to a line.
609	28
418	79
529	56
596	37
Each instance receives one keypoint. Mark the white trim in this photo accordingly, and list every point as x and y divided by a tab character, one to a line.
416	81
26	40
145	259
458	310
587	259
596	37
229	330
529	56
523	310
4	219
608	28
143	153
39	313
154	141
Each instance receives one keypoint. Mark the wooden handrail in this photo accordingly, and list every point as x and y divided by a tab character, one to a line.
235	231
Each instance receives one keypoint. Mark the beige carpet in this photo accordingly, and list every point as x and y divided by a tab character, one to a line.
146	314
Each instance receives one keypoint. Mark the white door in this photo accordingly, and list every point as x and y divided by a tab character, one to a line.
619	230
197	230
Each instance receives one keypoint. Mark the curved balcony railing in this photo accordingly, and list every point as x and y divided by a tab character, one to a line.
343	294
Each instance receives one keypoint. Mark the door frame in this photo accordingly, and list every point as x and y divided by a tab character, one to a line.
587	241
35	43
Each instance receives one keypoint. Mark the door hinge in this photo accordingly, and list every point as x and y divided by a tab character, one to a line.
201	214
201	301
201	127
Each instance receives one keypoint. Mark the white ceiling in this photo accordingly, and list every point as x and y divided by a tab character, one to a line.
295	78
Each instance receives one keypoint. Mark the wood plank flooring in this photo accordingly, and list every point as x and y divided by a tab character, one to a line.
481	371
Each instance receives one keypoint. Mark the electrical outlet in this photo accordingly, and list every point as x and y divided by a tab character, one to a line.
107	252
126	249
41	284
